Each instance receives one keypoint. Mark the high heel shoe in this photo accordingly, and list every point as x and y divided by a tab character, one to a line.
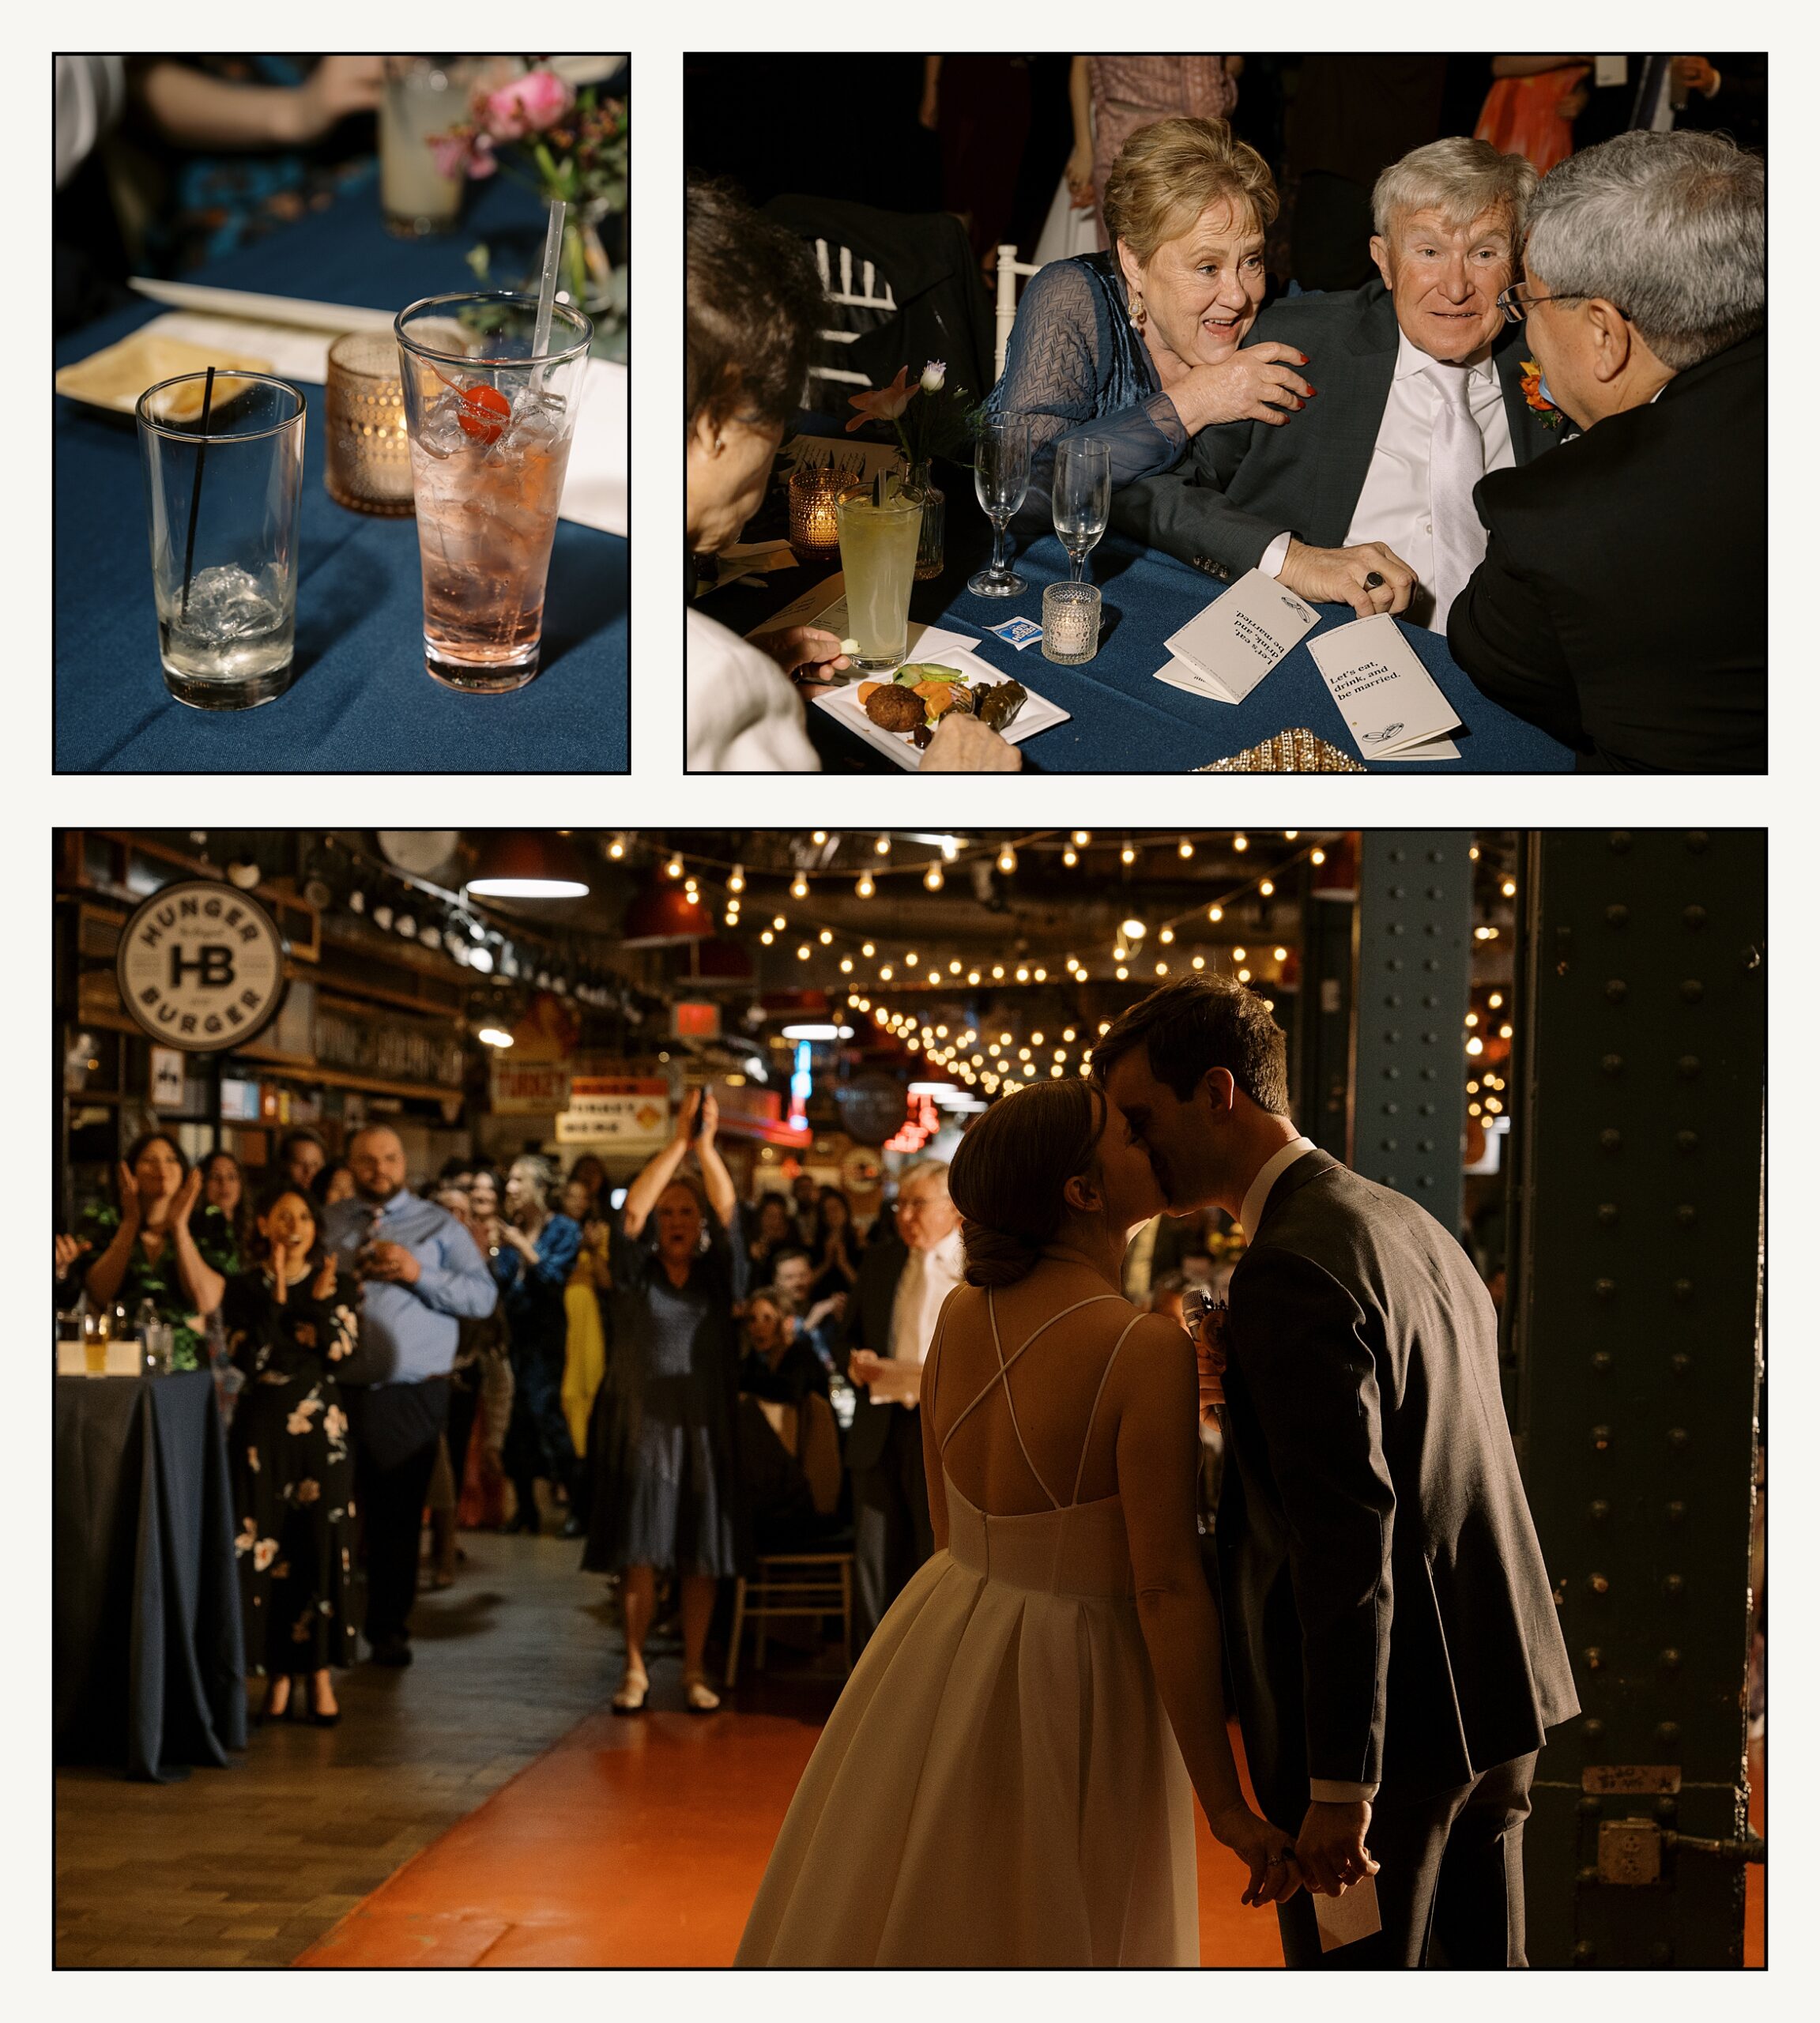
631	1698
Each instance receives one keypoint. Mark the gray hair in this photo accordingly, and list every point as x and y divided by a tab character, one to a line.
1669	228
923	1169
537	1170
1459	177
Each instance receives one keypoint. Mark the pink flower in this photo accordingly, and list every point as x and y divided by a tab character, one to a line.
451	153
887	405
527	105
481	161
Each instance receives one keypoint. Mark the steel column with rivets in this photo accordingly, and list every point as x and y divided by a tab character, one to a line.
1323	1036
1413	984
1636	1285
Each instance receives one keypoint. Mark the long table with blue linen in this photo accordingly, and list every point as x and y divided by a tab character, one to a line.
361	702
1122	720
146	1660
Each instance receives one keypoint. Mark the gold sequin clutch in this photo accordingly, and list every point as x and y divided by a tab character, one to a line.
1289	751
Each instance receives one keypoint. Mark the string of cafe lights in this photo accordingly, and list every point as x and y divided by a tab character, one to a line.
939	1047
903	964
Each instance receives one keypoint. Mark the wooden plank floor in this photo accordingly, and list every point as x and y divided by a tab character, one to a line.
246	1867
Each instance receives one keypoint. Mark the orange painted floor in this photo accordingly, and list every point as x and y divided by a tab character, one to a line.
641	1843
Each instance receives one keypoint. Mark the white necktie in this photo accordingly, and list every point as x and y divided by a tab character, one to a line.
1455	464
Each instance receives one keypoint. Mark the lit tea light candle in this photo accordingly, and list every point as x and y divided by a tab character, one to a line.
1070	622
815	526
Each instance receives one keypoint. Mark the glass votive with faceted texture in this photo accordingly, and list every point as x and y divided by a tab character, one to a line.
815	523
1070	622
366	455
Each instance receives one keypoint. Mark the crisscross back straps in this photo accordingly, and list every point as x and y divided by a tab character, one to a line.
1086	1437
1004	1377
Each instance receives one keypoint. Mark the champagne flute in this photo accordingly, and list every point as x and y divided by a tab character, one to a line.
1082	497
1002	478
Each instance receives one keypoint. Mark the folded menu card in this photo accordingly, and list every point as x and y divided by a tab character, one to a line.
1227	649
1390	701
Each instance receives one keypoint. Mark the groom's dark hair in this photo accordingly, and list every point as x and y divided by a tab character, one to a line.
1199	1023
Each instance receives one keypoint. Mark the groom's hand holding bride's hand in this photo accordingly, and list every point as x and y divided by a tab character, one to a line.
862	1367
1266	1851
1331	1849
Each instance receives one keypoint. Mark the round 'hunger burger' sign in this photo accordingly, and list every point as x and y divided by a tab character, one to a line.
201	966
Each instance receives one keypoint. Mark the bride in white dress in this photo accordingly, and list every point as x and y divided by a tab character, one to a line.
1007	1778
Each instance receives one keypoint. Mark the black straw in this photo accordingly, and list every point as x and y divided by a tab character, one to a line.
196	491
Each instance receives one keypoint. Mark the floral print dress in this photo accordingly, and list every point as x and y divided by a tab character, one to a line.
292	1471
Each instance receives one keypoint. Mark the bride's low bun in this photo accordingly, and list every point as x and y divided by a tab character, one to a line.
998	1257
1008	1172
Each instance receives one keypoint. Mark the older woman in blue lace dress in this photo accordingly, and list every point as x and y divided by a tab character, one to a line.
1140	345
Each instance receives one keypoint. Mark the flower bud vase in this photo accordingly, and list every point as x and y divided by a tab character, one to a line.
920	486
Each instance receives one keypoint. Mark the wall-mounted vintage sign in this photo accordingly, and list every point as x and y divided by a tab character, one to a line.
200	967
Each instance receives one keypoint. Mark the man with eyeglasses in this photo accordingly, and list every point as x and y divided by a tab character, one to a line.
1621	605
1365	498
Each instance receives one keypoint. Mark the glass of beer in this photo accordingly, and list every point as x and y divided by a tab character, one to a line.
878	561
97	1331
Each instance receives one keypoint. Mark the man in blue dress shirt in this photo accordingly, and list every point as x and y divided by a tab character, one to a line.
420	1275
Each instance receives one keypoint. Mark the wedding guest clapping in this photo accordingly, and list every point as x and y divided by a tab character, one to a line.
1141	346
291	1323
162	1244
665	1492
1618	609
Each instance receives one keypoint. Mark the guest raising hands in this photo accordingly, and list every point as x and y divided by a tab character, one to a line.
161	1243
665	1492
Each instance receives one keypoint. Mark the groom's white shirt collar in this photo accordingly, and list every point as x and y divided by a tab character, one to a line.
1268	1175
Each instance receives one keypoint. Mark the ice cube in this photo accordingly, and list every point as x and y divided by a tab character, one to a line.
536	422
226	603
440	433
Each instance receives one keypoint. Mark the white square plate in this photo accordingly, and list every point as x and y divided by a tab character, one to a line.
950	649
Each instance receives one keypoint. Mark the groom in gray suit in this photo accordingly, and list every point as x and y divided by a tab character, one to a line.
1365	497
1388	1622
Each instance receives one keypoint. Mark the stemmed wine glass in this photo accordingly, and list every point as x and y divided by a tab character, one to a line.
1002	478
1081	498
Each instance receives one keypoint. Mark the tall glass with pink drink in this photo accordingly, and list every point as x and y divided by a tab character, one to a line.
490	419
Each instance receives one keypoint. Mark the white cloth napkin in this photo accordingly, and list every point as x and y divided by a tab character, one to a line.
594	493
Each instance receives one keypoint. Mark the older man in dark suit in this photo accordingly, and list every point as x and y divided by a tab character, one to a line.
1389	1623
1623	603
1365	497
890	1322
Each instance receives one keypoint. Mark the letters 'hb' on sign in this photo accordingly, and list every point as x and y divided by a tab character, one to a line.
200	967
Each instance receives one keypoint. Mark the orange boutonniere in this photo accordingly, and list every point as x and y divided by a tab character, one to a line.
1532	393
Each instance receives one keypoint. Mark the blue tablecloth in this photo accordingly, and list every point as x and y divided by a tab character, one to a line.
361	702
1122	720
147	1662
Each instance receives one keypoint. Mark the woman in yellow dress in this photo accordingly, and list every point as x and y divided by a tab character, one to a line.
585	1363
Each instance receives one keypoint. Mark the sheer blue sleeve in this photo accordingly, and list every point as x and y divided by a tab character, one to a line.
1067	373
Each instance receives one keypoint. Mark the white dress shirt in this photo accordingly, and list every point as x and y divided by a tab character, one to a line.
1268	1174
1393	504
928	1276
1322	1791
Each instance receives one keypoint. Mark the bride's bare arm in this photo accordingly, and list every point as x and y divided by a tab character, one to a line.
931	1472
1159	1457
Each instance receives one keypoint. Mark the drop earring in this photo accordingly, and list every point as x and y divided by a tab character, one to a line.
1136	312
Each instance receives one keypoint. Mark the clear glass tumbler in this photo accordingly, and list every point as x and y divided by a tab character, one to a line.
878	563
491	421
222	508
423	96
